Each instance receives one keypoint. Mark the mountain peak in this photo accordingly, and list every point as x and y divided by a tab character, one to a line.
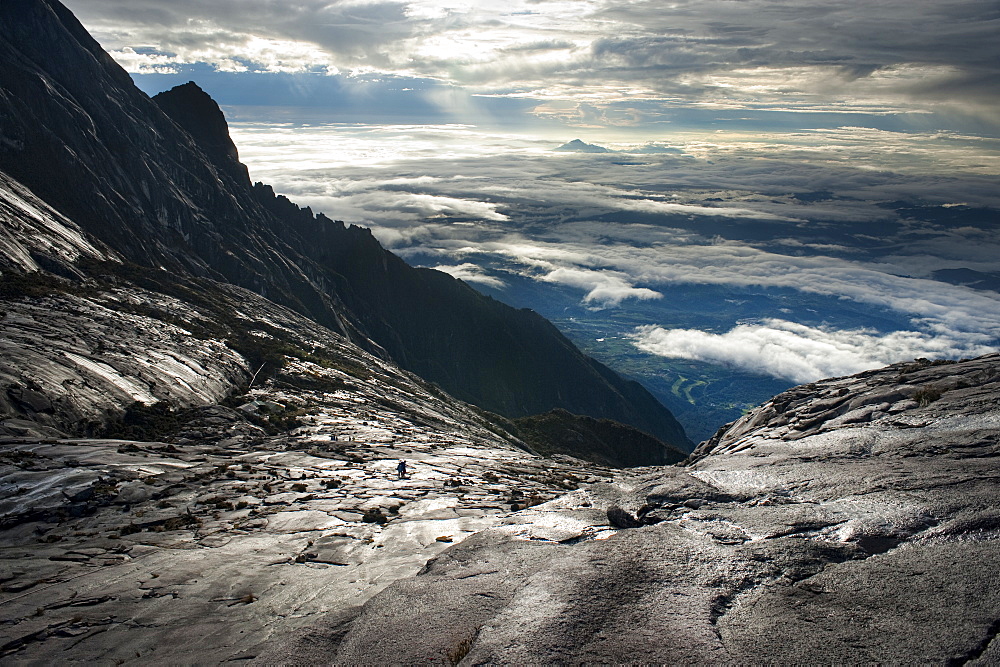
199	115
578	146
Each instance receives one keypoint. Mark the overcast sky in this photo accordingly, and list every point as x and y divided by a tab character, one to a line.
589	63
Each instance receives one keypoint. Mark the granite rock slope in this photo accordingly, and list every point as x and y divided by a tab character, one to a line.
34	236
852	520
243	522
72	362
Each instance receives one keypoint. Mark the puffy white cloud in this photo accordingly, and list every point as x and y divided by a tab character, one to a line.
471	273
604	288
147	63
804	354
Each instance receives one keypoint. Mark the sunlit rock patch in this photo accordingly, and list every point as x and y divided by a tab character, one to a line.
232	535
793	536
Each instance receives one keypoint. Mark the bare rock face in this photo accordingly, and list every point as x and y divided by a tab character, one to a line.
850	520
246	523
70	362
34	236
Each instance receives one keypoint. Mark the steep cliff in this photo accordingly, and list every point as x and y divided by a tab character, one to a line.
159	182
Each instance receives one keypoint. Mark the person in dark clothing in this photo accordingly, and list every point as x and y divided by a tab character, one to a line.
401	469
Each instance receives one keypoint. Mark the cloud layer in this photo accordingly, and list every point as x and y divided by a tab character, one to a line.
804	354
831	228
595	62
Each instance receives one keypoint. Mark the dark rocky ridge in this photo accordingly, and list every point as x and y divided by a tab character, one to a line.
160	184
197	113
600	440
852	520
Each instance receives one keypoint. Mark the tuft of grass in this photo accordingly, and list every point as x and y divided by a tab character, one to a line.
927	395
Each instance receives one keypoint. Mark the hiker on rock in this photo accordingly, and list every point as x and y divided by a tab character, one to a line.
401	469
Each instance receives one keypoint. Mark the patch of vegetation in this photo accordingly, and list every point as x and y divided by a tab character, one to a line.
927	395
519	502
280	423
130	529
14	286
176	523
375	516
263	352
20	458
218	502
565	481
311	382
602	441
144	423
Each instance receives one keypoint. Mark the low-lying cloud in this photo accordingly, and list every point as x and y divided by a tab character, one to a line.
809	222
471	273
604	288
801	353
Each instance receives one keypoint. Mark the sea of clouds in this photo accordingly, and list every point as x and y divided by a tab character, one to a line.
851	214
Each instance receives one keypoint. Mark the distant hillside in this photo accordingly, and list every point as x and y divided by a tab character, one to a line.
577	146
600	440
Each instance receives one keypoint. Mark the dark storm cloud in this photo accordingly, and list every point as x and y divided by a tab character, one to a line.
883	50
959	33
